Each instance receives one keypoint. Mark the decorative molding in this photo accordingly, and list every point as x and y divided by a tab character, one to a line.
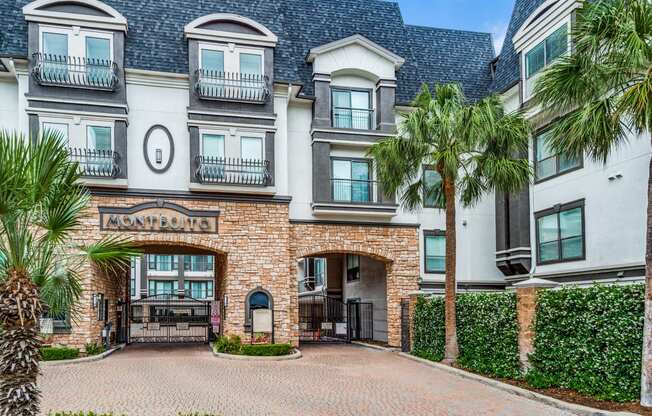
189	196
94	115
192	30
156	79
80	102
548	14
240	115
146	153
356	40
354	223
115	20
244	126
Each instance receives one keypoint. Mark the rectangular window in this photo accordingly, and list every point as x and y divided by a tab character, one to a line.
132	278
435	251
212	60
162	263
315	270
98	138
351	109
544	53
213	145
198	289
98	58
560	233
251	148
55	48
251	64
198	263
352	267
432	187
60	129
162	287
549	164
351	180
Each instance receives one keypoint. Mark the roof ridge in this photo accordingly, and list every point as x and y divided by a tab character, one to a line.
448	29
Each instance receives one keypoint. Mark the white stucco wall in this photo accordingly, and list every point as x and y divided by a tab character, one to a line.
9	104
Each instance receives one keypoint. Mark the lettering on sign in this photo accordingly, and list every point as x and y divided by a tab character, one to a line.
158	216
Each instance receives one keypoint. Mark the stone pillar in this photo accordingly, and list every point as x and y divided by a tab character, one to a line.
526	303
143	276
322	105
181	289
385	102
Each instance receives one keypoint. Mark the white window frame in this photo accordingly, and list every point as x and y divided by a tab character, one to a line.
529	83
98	123
54	120
76	38
224	133
232	55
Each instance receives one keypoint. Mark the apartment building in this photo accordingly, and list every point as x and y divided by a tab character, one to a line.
229	139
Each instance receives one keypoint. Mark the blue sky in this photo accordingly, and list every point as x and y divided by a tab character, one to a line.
480	15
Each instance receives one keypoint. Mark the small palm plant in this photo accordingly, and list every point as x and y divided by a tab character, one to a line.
475	149
41	204
601	93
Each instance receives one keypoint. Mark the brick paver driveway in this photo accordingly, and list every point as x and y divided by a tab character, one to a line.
328	380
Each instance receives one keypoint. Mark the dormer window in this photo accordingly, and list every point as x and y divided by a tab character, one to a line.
75	57
352	109
546	52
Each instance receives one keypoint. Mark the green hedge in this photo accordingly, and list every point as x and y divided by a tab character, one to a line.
590	340
428	331
79	414
487	333
58	353
233	345
93	348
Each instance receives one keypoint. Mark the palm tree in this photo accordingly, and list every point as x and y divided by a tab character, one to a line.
601	92
41	203
475	148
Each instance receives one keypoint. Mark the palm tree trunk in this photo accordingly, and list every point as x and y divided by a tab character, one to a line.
20	309
646	367
450	286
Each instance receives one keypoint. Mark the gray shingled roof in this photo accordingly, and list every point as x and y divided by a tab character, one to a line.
508	66
156	40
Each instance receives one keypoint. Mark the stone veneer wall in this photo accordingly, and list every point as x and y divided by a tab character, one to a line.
396	246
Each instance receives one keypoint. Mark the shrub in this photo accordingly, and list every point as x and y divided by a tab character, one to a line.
93	348
228	345
80	414
428	328
266	350
58	353
590	340
487	333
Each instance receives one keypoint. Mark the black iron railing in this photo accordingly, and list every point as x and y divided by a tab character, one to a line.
74	71
353	118
354	191
96	163
219	170
231	86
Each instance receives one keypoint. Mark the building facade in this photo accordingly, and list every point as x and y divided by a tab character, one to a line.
229	139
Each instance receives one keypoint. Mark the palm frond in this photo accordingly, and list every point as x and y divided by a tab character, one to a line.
112	254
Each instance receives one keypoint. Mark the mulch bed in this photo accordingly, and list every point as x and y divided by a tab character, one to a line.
571	396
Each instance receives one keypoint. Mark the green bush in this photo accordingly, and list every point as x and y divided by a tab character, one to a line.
428	331
80	414
590	340
266	350
228	345
58	353
93	348
487	333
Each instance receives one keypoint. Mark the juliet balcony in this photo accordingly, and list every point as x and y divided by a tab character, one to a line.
231	86
101	164
356	197
232	171
76	72
353	118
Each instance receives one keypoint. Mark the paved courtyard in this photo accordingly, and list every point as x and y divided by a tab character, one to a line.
328	380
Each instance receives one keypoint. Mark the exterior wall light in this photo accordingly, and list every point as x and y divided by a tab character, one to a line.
159	156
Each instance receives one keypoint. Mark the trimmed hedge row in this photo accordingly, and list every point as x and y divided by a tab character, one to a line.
58	353
590	340
428	329
233	345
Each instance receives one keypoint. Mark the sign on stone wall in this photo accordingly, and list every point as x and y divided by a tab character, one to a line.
158	216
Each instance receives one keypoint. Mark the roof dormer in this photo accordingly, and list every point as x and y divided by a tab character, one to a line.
88	13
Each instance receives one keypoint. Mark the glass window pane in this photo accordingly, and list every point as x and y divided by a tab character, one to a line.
571	248
55	44
252	148
432	181
568	163
342	169
213	145
360	99
98	49
99	137
549	251
435	245
212	60
251	64
435	264
342	98
548	228
59	129
570	223
360	170
556	44
258	300
543	149
546	168
535	60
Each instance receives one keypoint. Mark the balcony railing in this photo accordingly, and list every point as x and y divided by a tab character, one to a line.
73	71
96	163
355	191
231	86
353	118
219	170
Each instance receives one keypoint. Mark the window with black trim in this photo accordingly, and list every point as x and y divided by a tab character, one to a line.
549	164
351	180
352	109
434	247
560	233
352	267
432	197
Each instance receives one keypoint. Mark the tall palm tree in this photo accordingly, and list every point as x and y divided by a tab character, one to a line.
603	91
41	204
475	148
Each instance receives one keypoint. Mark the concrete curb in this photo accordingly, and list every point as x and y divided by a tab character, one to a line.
295	355
375	347
550	401
82	360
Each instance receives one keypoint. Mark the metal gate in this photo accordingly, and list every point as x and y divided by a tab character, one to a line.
326	319
169	319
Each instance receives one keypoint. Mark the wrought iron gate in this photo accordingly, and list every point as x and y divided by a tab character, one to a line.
169	318
326	319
